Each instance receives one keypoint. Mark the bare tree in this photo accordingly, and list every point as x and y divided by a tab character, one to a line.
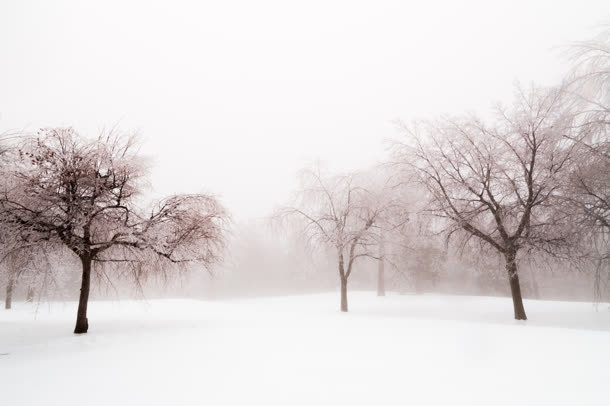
23	264
589	85
339	213
381	268
500	183
84	194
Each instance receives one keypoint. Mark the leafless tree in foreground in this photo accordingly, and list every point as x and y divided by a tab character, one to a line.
83	194
503	183
339	213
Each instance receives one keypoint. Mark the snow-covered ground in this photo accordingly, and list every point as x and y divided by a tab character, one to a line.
299	350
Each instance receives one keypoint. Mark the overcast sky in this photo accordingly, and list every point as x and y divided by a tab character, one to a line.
233	97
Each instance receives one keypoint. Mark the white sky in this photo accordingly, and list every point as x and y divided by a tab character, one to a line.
233	97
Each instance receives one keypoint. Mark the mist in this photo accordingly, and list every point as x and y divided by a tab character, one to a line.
274	202
234	99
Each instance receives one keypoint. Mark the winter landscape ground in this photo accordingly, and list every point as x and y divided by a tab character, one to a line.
300	350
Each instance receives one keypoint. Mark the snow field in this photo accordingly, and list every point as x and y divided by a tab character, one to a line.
299	350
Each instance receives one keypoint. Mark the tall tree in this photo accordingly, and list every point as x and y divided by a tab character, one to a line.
339	213
589	85
83	193
500	183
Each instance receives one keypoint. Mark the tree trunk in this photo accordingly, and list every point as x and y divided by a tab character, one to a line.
515	288
380	271
380	279
8	301
344	294
82	324
535	288
30	294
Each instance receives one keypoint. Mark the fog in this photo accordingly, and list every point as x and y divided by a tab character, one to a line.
234	98
304	203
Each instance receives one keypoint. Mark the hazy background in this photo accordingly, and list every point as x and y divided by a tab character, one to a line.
234	97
